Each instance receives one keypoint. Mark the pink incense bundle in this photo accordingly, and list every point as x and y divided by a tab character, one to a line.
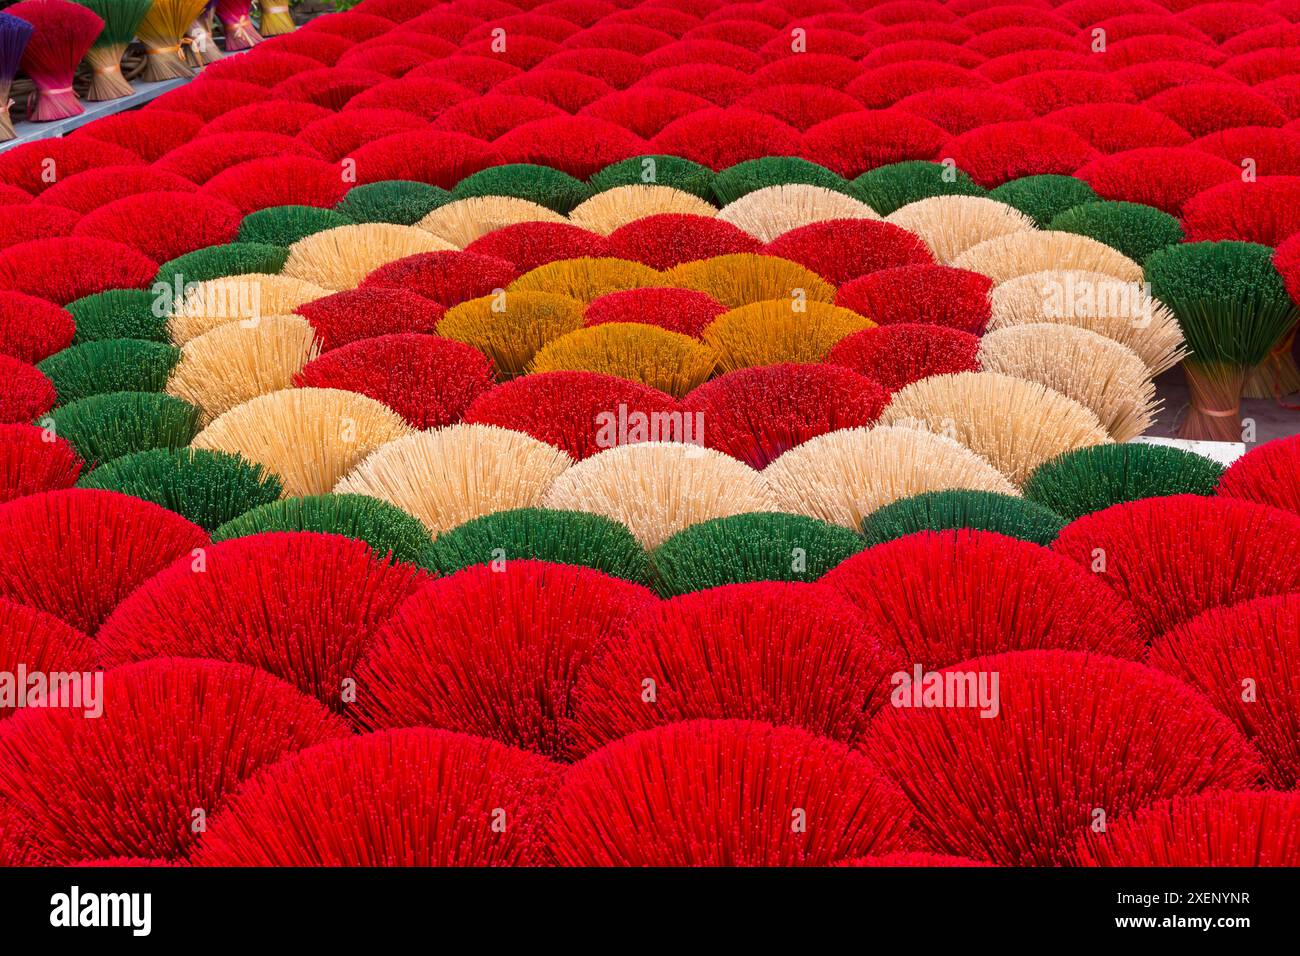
63	33
235	20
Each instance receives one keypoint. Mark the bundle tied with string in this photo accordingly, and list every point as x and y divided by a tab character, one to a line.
14	34
63	33
1123	311
200	46
275	18
164	31
121	17
238	26
1235	314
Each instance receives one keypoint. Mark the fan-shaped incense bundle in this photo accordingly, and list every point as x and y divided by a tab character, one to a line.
1015	424
205	487
1074	732
547	621
109	365
184	734
28	221
757	546
942	597
658	488
164	225
67	268
897	355
1241	829
950	225
756	414
1268	474
580	412
1242	551
246	298
400	201
390	532
447	277
961	508
108	543
669	239
532	244
240	360
1097	372
310	437
1090	479
676	310
32	329
277	180
462	221
751	175
841	250
235	22
607	211
200	47
1133	229
843	476
340	258
748	651
121	17
778	331
1123	311
1020	253
1041	198
669	361
298	605
1259	640
543	534
220	262
612	811
118	314
774	210
540	184
665	170
26	167
28	392
285	225
63	33
104	427
1235	312
42	643
14	35
510	328
410	797
29	464
275	18
588	279
451	475
744	278
889	188
163	31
